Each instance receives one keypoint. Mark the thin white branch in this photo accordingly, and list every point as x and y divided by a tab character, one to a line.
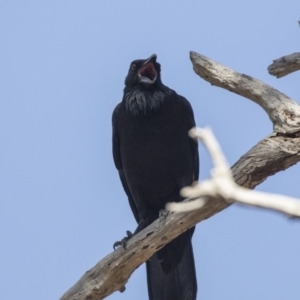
285	65
273	154
222	185
217	156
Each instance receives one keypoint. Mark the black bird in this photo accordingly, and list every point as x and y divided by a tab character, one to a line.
156	158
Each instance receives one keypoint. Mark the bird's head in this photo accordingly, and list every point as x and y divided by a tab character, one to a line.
145	72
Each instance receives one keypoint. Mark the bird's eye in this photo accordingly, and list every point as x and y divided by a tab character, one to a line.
133	67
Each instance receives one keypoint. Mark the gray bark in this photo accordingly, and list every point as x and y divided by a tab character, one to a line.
285	65
283	111
275	153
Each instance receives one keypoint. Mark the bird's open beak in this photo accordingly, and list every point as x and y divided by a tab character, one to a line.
152	59
148	73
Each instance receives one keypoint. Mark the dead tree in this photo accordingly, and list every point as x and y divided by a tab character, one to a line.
277	152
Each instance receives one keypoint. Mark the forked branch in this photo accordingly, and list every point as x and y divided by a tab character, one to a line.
222	185
275	153
283	111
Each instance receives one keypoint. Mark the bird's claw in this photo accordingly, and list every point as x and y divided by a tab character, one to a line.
163	213
124	241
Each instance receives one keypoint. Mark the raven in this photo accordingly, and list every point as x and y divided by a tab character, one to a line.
155	158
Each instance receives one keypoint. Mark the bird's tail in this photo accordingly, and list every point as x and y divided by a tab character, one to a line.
171	273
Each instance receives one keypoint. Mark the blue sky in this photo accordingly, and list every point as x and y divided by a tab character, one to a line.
62	70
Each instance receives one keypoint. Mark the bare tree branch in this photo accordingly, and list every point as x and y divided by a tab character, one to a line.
270	156
222	185
283	111
275	153
285	65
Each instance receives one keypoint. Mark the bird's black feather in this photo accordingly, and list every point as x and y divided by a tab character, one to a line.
156	158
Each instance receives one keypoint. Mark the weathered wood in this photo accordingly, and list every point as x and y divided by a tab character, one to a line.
285	65
271	155
283	111
275	153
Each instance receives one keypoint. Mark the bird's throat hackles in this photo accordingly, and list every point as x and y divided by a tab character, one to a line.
142	100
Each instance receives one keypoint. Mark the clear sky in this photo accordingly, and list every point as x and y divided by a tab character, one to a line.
62	70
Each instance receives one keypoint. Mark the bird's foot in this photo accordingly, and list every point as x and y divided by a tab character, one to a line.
142	224
163	213
124	241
